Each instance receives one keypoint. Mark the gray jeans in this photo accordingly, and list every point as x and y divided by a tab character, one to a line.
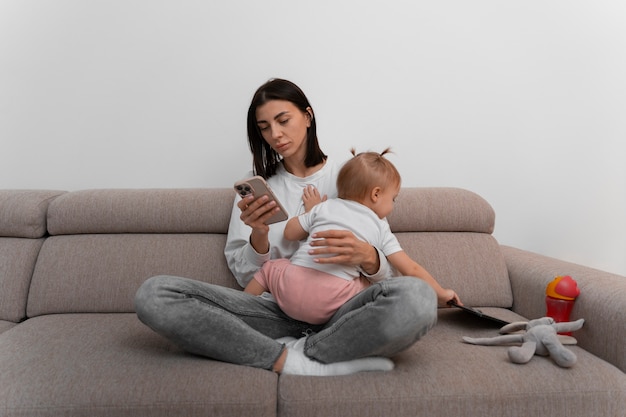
232	326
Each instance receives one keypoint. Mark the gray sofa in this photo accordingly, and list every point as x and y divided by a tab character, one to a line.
71	345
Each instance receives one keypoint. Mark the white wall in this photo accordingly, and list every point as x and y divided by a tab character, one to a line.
522	102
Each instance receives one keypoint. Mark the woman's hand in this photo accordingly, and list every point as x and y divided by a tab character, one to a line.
255	213
344	248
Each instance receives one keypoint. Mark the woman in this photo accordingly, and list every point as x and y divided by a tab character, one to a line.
236	327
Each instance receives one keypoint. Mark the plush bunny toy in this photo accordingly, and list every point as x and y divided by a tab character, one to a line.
540	338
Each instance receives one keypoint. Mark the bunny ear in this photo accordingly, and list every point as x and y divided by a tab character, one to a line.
514	327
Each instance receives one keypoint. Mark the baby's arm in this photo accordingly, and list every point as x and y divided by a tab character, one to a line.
294	231
408	267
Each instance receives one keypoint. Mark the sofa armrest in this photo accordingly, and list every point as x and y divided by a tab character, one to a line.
602	300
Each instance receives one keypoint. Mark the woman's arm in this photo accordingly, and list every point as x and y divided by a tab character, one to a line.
255	213
408	267
247	244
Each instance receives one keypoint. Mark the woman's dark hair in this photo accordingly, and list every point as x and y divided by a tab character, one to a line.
265	159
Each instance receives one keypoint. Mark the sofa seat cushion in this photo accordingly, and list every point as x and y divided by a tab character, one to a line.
112	365
442	376
5	325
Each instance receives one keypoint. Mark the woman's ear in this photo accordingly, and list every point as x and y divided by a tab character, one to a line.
309	116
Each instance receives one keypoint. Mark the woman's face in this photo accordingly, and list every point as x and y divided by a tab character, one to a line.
284	127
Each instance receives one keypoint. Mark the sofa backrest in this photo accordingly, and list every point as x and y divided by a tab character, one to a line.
22	231
104	243
449	232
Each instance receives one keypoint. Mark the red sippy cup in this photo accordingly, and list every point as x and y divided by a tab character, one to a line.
561	293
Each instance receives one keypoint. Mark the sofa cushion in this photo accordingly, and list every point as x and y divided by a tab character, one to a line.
442	376
23	212
112	365
6	325
441	209
141	211
470	263
22	227
105	243
101	273
448	231
17	261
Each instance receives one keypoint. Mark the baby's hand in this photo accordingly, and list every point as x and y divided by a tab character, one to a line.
311	197
446	296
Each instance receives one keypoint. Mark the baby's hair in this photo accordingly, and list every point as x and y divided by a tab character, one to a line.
365	171
383	153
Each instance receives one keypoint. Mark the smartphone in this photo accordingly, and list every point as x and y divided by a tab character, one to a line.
258	187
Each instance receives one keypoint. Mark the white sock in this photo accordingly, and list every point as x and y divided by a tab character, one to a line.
297	363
